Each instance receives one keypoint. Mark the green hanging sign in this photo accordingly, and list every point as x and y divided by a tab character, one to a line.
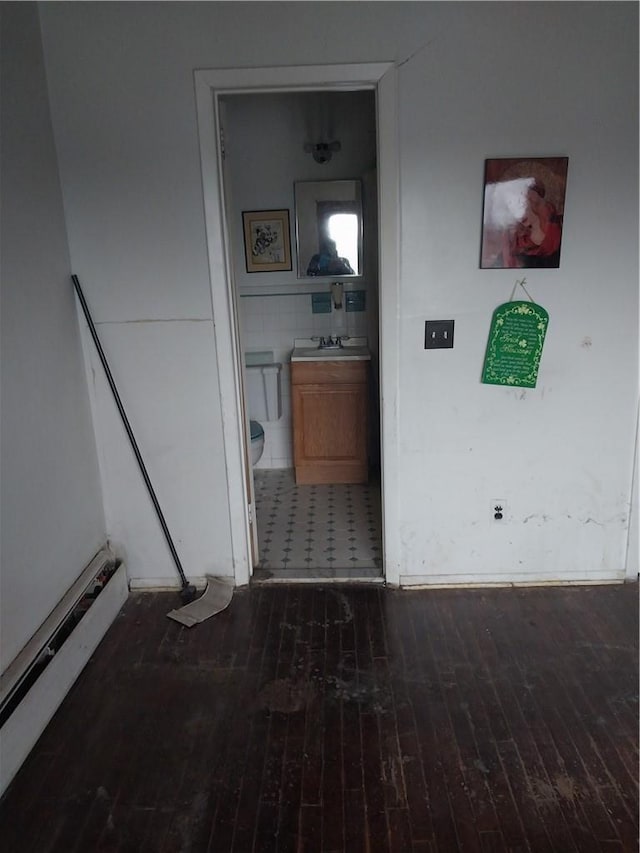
515	344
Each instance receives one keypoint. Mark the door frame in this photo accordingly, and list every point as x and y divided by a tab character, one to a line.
210	84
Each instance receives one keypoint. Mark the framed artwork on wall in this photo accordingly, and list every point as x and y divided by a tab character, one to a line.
523	212
267	240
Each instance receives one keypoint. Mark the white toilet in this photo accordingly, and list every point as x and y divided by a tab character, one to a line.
264	397
257	441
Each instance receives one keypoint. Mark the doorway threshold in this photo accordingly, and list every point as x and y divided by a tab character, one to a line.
320	575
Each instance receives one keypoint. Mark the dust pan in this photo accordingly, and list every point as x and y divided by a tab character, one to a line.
216	596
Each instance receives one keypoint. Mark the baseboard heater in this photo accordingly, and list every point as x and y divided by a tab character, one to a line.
36	682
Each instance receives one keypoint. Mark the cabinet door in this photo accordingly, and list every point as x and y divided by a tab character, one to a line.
330	433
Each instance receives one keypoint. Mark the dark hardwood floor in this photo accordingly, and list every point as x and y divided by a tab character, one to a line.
340	718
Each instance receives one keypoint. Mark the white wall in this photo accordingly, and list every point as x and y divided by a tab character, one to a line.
560	455
476	80
52	517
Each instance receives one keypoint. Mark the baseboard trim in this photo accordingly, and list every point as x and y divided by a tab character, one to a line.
460	582
163	584
257	580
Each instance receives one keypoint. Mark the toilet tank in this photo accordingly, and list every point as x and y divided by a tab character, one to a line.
263	389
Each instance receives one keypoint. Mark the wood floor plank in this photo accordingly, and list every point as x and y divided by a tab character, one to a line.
236	736
428	711
218	688
345	718
544	786
310	830
355	830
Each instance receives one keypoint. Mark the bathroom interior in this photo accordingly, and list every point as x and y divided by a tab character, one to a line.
308	330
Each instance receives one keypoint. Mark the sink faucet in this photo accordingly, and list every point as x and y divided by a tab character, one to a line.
330	342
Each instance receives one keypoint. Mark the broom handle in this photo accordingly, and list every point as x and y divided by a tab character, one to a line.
127	426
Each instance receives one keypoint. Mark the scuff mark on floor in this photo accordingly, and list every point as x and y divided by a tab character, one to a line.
543	792
104	799
393	776
347	612
565	786
286	696
481	766
364	692
189	824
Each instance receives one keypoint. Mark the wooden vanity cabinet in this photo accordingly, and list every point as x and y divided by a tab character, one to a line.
330	402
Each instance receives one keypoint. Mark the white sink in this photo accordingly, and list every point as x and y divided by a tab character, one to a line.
345	353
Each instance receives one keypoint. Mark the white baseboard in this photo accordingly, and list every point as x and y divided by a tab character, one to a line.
25	725
323	581
499	580
163	584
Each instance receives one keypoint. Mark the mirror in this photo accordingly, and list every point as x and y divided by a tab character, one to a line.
328	228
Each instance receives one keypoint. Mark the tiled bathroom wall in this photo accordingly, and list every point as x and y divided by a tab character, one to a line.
272	322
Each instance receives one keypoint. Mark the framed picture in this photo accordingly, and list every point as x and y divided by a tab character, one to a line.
523	212
267	241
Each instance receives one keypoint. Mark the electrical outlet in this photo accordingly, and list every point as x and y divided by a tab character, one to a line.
438	334
498	509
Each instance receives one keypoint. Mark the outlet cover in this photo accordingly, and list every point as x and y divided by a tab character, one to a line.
499	509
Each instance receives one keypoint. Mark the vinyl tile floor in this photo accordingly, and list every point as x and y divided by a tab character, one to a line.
319	528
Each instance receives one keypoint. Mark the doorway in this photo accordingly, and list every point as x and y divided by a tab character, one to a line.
327	526
211	87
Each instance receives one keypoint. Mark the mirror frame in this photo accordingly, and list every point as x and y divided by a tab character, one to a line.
310	215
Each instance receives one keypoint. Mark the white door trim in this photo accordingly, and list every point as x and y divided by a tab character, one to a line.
209	85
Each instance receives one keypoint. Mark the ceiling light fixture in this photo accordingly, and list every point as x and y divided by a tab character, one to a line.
322	151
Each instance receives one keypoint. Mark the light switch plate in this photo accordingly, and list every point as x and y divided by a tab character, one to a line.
438	334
